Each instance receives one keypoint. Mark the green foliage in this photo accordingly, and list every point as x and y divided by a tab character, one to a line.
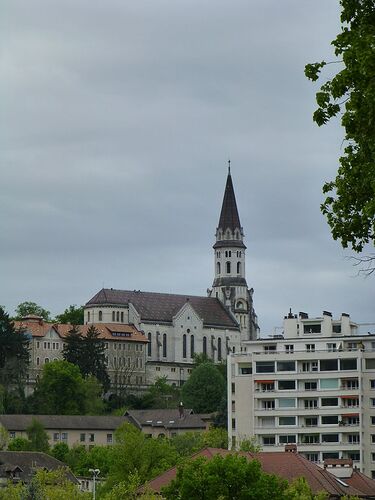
60	451
190	442
205	389
73	314
350	202
38	436
228	478
135	453
14	353
87	352
161	395
61	390
31	309
19	444
299	489
55	485
13	492
4	437
250	444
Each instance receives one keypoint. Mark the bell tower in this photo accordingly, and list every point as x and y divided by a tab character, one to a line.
230	285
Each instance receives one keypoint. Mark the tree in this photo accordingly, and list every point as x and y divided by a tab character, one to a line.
250	444
350	202
19	444
204	389
88	353
31	309
229	478
14	354
4	437
61	390
134	452
60	451
161	395
38	436
73	314
299	489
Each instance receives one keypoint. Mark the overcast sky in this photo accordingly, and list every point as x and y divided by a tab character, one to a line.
118	118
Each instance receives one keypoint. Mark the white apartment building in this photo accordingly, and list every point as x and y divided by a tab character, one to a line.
313	386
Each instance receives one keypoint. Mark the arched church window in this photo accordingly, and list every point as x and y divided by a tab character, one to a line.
122	316
230	253
100	316
149	345
113	315
238	267
228	267
239	305
88	316
205	346
164	345
118	316
226	253
219	356
218	268
192	346
184	345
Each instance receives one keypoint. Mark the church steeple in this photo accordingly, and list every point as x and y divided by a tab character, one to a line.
229	218
229	284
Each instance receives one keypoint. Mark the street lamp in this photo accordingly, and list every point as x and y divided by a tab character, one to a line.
95	473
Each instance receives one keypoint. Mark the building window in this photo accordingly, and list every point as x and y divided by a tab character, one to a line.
330	419
310	347
311	386
268	404
353	438
184	345
291	439
12	434
192	346
348	364
218	268
269	440
328	365
265	366
286	385
228	267
289	348
310	403
311	421
205	346
287	420
331	347
312	457
56	436
37	361
100	315
46	360
286	366
313	328
330	402
118	316
122	316
219	355
88	316
149	345
113	316
64	436
164	345
91	438
157	368
330	438
238	267
109	438
82	437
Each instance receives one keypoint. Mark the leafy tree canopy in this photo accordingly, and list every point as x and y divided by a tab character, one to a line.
73	314
350	202
31	308
62	390
229	478
204	389
38	436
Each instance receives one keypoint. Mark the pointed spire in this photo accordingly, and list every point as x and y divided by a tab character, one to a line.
229	217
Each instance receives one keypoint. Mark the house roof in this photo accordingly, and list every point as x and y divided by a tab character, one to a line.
229	218
25	462
166	418
107	331
55	422
361	483
287	465
162	307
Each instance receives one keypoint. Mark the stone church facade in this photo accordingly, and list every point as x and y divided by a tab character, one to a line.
178	326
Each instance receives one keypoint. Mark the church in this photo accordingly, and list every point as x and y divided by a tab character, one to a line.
179	326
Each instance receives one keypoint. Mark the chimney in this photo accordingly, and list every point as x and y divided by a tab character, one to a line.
290	448
181	409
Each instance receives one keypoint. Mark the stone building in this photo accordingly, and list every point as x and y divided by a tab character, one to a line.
178	326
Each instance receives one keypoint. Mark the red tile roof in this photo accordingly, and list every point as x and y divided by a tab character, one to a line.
287	465
361	483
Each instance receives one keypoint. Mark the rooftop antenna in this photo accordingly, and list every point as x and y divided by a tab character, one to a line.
228	167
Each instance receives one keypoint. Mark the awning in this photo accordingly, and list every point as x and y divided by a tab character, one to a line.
264	381
350	397
350	415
